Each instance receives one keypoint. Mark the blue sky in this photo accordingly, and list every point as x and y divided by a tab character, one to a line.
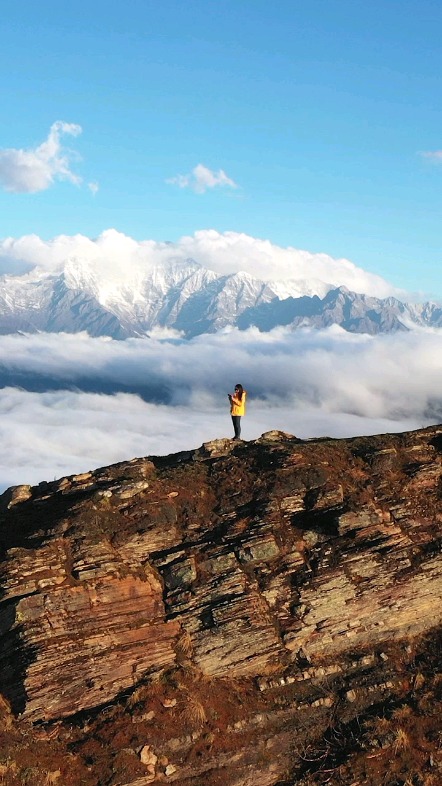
319	113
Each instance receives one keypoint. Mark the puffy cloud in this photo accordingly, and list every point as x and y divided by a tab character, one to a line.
119	259
203	178
228	252
29	171
309	383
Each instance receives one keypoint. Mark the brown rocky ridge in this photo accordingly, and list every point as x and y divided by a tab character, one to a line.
244	614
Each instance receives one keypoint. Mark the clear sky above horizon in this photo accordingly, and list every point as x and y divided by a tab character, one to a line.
310	121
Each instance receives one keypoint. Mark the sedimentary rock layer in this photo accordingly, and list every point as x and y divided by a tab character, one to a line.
290	566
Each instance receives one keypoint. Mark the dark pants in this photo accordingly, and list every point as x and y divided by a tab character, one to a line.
236	420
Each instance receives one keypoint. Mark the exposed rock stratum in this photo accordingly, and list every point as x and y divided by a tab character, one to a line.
242	614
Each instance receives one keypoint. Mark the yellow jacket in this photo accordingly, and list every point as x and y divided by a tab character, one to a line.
238	406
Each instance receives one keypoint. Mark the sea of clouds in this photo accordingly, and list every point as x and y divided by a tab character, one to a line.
70	403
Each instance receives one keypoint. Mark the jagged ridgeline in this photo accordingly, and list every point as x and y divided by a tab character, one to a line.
182	295
245	614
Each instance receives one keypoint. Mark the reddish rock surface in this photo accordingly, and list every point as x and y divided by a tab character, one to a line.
226	616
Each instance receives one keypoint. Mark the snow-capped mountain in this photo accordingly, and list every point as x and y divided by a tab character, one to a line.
354	312
181	294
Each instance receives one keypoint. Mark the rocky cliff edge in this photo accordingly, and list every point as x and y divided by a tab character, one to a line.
245	614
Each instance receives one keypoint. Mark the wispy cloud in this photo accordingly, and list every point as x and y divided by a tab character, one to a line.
30	171
435	156
93	187
203	178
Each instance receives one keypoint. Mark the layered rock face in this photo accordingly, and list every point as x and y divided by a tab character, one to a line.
219	608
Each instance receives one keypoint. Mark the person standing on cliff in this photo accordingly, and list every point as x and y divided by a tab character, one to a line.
237	408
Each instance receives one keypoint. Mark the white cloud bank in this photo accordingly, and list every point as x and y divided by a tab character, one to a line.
392	376
309	383
45	436
30	171
203	178
117	258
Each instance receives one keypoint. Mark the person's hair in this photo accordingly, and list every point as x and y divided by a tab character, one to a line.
240	390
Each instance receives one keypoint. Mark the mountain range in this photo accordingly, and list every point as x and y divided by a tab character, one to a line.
182	295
